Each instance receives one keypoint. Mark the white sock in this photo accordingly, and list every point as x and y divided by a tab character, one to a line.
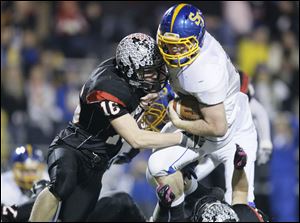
178	201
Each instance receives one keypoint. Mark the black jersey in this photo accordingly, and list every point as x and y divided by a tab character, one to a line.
105	96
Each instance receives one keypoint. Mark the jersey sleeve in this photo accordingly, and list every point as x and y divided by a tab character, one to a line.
112	109
215	87
110	105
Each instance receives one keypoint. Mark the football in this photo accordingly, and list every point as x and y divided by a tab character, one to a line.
187	108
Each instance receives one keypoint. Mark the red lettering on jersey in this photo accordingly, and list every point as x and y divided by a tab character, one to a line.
98	96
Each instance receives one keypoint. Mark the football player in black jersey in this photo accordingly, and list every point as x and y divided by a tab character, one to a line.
111	101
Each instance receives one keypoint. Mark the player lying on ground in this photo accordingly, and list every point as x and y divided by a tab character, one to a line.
212	207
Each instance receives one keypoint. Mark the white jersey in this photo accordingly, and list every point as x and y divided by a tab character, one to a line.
212	79
11	192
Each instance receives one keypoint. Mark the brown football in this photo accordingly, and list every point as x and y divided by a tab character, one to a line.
187	108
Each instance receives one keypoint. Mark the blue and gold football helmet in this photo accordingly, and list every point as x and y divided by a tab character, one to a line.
156	116
180	34
28	166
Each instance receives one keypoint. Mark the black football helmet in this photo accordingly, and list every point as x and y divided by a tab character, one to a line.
210	209
139	61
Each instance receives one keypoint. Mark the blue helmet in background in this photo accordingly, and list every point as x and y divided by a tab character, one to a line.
28	166
182	26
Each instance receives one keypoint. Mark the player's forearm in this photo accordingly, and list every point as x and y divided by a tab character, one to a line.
128	129
146	139
44	207
202	128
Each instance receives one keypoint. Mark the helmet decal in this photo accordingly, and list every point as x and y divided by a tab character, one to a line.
210	209
140	63
176	11
134	51
218	212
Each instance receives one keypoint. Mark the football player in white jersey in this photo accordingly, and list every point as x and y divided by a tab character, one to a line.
199	67
28	167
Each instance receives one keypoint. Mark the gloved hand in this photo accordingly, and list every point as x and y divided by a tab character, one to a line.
165	195
125	157
122	158
191	141
189	170
264	154
240	158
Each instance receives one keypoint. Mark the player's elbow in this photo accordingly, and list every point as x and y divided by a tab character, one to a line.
135	143
220	129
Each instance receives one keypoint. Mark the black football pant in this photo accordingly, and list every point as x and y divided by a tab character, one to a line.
76	180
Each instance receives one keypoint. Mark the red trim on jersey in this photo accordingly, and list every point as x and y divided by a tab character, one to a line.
98	96
245	82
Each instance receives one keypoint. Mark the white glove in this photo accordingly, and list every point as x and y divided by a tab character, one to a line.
191	141
264	152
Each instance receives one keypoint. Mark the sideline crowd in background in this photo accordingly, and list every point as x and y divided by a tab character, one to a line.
49	48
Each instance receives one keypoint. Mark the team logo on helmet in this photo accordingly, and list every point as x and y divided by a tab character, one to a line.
136	51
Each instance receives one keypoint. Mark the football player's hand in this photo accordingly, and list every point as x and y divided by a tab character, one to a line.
165	195
264	152
191	141
122	158
148	99
264	155
125	157
174	118
188	171
240	158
